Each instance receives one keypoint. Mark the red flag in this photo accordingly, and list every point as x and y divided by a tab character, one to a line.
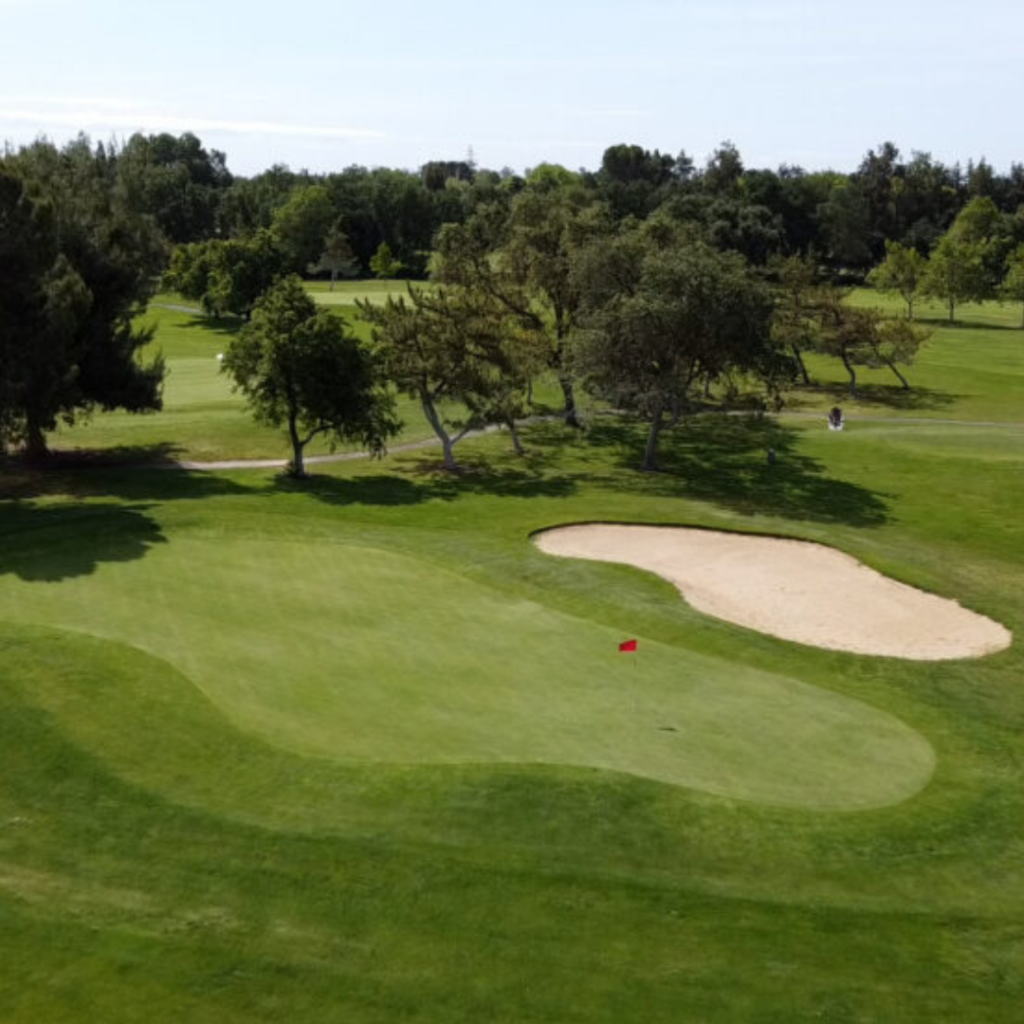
628	647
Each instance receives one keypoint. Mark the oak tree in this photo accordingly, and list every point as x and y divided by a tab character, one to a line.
300	367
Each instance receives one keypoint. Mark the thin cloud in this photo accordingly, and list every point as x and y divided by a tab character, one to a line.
79	114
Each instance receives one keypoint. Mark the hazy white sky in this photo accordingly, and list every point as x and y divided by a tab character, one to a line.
327	83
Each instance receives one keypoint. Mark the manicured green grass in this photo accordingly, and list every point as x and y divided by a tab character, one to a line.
354	749
970	370
345	293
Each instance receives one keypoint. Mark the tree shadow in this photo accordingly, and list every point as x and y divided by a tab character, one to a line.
724	460
891	396
49	543
224	326
130	472
159	453
363	490
974	325
426	480
527	479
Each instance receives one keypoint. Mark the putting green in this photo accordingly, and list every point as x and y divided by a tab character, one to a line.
363	655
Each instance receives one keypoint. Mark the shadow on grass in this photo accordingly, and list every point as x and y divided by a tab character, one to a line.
891	396
130	472
45	544
973	325
723	460
718	459
225	326
427	480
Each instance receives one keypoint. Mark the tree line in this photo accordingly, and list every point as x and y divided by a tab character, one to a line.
843	220
653	284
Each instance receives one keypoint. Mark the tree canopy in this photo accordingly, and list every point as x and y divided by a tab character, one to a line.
227	276
300	368
662	315
76	266
456	344
902	273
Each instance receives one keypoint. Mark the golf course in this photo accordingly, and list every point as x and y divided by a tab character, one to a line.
357	748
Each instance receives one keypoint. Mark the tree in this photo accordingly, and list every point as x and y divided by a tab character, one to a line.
901	273
895	343
174	180
76	268
452	345
28	251
1012	288
299	367
723	171
227	276
845	332
879	179
845	218
249	204
662	314
383	263
795	293
632	179
302	224
521	259
337	257
968	262
956	272
864	337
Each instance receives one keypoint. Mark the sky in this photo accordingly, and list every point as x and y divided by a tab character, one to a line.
324	84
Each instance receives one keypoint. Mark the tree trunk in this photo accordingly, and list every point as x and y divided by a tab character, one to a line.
952	308
569	394
650	462
852	372
1022	318
903	380
298	466
444	437
799	356
517	444
910	310
334	277
35	441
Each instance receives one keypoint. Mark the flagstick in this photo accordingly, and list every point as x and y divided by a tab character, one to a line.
635	688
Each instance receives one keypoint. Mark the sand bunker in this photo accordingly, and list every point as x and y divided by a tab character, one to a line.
791	589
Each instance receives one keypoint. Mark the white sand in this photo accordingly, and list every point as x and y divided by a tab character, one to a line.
791	589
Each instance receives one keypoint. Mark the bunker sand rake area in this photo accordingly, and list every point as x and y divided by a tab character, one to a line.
365	656
792	589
